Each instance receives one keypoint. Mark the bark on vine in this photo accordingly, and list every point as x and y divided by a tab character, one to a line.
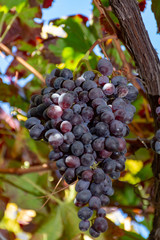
136	40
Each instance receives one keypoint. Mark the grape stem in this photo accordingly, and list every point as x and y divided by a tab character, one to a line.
21	171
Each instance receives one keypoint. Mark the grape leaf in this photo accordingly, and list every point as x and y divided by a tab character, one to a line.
155	9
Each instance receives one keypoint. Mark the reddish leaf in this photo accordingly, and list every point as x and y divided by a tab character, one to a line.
47	3
142	5
84	18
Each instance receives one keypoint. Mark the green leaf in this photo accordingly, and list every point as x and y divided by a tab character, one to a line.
23	193
27	16
52	226
19	4
130	236
156	10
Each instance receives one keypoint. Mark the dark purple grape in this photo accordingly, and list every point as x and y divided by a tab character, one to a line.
78	131
94	203
60	91
132	93
36	131
69	137
83	96
100	224
72	161
83	197
89	84
98	102
96	189
157	134
50	80
31	122
104	153
93	233
79	81
115	175
68	84
98	144
54	111
70	175
104	200
64	147
116	128
157	147
77	148
87	159
81	185
103	80
98	175
87	114
67	114
66	74
118	103
88	75
56	139
117	80
58	82
122	90
84	225
108	191
101	212
101	129
61	165
120	166
76	108
86	138
85	213
38	100
87	175
107	117
78	89
66	100
88	148
76	119
111	144
55	97
109	165
105	67
47	90
55	72
95	93
80	170
54	156
65	126
108	89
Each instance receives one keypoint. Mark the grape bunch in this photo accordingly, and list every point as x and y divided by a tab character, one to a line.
85	121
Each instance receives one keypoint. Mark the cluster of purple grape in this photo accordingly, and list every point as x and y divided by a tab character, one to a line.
155	142
85	121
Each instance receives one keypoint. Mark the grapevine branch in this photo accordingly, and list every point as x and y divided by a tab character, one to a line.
22	61
20	171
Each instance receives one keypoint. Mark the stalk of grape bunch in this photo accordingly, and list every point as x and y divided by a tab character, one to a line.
85	121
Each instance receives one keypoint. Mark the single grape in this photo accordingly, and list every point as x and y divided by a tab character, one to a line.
61	165
108	89
87	114
83	196
31	122
103	80
111	144
94	203
108	165
84	225
56	139
77	148
68	84
55	97
117	80
87	159
65	100
105	67
89	84
104	200
107	117
54	111
98	175
81	185
98	144
101	212
54	156
78	131
93	233
98	102
66	73
70	175
36	131
85	213
76	108
116	128
87	175
65	126
95	93
64	147
100	224
88	75
101	129
83	96
72	161
58	82
69	137
67	114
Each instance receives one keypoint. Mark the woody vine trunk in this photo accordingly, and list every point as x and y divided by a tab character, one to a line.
135	37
